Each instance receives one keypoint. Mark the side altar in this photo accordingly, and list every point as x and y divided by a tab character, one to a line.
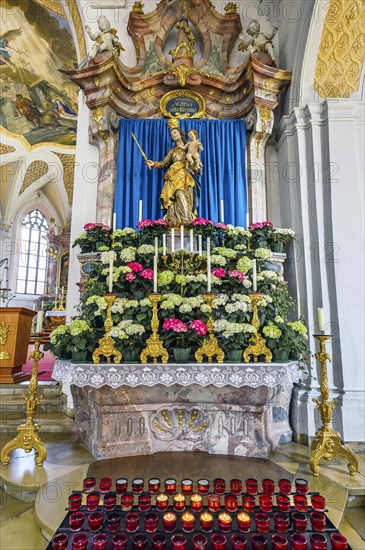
125	410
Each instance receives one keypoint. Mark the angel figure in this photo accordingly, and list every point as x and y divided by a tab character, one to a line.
260	42
5	48
106	39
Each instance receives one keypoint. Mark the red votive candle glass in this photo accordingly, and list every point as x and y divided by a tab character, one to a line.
206	522
144	502
105	484
159	541
88	484
137	485
92	501
79	541
318	521
219	486
298	541
244	522
338	542
119	541
262	522
225	522
281	522
126	502
162	502
196	502
95	521
258	542
100	542
179	502
74	502
169	522
265	503
121	485
218	541
231	503
279	542
112	521
268	486
140	541
301	486
300	503
252	486
203	486
235	486
299	522
131	522
238	542
248	503
170	486
76	521
200	542
151	522
187	486
154	485
179	542
317	542
110	502
214	502
283	503
188	522
60	541
285	486
318	503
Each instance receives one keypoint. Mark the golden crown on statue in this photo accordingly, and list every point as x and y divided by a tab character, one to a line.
173	123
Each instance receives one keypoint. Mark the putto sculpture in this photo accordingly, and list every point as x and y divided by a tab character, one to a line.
260	43
106	39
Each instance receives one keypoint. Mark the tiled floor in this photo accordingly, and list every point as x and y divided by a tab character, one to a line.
67	464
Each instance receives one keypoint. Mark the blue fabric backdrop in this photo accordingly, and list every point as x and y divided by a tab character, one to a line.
223	158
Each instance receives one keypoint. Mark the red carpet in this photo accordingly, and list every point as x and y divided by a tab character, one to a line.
45	365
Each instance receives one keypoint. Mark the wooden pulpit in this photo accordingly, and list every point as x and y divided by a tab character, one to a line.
15	327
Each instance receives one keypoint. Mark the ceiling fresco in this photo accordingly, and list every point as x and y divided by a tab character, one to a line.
37	101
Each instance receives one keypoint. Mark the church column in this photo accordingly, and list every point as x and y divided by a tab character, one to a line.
103	130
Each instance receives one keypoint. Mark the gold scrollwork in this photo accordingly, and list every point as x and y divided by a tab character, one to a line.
181	94
4	332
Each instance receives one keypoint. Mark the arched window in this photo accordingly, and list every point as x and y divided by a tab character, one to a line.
32	257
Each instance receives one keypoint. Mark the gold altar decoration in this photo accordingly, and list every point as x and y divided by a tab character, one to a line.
210	346
28	437
328	443
107	343
258	346
190	94
154	347
184	262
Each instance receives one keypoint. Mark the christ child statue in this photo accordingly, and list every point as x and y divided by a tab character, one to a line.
192	147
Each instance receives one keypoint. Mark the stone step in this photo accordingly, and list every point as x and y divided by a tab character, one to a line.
55	422
44	388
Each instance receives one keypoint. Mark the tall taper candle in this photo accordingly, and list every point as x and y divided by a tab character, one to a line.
320	313
155	259
172	240
222	210
254	277
182	237
163	244
209	272
114	221
140	211
39	326
156	246
110	286
191	233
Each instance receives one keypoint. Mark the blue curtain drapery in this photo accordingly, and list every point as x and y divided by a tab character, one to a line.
224	175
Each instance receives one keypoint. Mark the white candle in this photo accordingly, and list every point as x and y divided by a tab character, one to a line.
114	221
140	211
209	272
62	290
42	304
164	244
110	286
181	237
155	273
39	326
172	240
247	220
320	313
222	211
156	246
191	233
200	245
254	277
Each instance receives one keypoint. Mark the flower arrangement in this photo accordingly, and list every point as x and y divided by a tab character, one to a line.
233	336
286	336
95	236
183	335
260	234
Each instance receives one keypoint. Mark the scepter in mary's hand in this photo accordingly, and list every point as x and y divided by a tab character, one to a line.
142	152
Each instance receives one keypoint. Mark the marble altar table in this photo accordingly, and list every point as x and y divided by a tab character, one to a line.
235	409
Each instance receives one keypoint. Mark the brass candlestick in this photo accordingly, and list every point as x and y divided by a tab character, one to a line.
258	346
154	347
107	343
210	346
328	442
184	262
28	437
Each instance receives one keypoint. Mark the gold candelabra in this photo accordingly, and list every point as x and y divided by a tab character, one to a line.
28	437
184	262
154	347
258	346
107	343
328	442
210	346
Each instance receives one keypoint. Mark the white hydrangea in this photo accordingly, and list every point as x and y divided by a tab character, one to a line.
128	254
284	231
146	249
263	253
206	308
145	302
220	300
264	300
268	274
106	257
199	278
217	259
226	252
185	308
176	299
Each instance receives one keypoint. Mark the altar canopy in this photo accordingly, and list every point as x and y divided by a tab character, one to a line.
224	175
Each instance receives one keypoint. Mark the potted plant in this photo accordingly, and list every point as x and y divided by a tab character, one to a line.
279	237
237	237
180	336
285	338
82	340
59	342
95	235
129	337
234	338
261	234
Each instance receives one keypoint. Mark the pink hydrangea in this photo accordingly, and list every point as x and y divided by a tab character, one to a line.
96	225
175	325
201	221
199	326
135	266
130	277
260	225
221	225
144	223
237	275
219	272
160	221
147	274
